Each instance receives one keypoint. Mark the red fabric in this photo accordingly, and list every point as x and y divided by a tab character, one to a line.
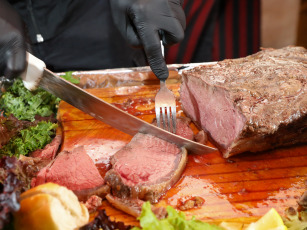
256	26
243	29
232	20
171	56
197	29
229	30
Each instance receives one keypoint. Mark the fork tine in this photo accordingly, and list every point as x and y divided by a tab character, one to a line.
163	117
168	109
165	103
158	116
174	118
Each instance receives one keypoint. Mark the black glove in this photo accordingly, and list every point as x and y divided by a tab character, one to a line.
144	22
12	42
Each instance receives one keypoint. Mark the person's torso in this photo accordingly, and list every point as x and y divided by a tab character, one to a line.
76	35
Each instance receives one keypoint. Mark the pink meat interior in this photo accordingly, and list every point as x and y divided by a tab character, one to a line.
74	170
212	109
146	160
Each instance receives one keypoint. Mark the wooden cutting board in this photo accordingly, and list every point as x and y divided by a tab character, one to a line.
239	189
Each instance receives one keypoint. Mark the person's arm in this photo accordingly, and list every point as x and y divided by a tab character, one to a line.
145	22
12	42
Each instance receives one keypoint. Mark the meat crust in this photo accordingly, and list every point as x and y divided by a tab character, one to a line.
250	104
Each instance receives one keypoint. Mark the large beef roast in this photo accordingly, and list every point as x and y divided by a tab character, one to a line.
76	171
148	166
250	104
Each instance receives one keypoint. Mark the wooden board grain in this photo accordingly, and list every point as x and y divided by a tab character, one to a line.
239	189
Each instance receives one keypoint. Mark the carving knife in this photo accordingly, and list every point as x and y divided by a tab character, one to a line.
37	75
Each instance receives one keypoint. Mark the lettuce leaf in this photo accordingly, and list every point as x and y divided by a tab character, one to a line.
30	139
174	221
68	77
24	104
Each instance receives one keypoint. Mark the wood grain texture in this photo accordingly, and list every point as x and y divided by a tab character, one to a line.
241	188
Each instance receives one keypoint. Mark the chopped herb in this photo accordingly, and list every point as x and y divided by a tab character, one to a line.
29	139
69	77
24	104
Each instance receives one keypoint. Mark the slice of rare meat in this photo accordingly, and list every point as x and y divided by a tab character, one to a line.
49	152
147	167
76	171
250	104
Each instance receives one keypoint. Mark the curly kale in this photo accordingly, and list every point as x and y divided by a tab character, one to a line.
25	105
30	139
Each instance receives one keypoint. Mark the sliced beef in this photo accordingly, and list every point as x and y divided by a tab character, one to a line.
49	152
201	137
147	167
76	171
134	206
182	127
93	203
250	104
29	166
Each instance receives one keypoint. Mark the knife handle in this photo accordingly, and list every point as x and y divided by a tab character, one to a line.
33	72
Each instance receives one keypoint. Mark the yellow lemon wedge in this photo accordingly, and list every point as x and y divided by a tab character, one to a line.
231	226
270	221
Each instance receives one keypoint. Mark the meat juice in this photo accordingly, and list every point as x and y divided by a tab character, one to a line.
241	188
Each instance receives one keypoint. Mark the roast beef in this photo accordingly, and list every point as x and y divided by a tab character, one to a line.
134	206
76	171
147	167
250	104
49	152
93	203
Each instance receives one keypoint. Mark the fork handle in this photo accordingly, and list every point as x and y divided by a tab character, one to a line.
162	77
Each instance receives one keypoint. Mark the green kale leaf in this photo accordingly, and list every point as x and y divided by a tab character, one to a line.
30	139
24	104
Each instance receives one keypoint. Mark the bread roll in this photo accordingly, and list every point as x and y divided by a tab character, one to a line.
50	207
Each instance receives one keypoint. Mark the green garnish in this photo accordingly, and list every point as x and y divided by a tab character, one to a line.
30	139
24	104
174	221
68	76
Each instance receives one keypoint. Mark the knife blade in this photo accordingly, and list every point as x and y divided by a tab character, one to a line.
37	75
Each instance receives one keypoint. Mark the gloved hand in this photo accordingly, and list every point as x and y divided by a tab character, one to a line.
12	42
144	22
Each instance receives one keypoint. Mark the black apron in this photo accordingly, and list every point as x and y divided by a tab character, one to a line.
76	35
